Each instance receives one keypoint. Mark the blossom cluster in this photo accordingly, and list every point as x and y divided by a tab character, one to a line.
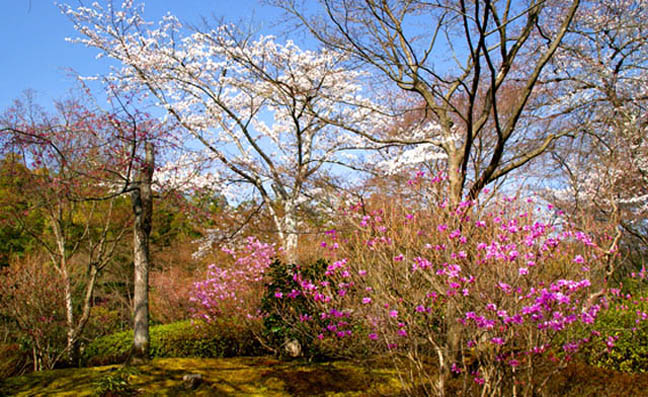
236	289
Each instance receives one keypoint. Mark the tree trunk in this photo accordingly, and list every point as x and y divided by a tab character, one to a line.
290	231
142	201
456	178
69	320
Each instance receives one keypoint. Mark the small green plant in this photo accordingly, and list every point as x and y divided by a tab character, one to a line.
116	383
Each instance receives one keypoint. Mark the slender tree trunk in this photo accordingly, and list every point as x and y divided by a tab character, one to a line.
142	201
287	229
61	264
69	319
291	237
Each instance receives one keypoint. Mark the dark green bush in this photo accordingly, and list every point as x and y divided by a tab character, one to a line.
283	317
181	339
630	351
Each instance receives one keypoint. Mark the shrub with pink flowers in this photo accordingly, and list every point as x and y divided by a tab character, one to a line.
483	290
290	316
234	290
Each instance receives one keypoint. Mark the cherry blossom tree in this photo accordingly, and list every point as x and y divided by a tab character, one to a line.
269	113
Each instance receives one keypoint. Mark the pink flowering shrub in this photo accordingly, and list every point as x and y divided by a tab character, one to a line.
235	290
486	290
290	316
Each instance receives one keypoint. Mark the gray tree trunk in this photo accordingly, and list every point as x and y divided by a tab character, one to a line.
142	201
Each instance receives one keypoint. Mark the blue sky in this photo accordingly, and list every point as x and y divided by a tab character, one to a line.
37	57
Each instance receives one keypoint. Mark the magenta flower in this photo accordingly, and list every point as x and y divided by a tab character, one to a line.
505	287
456	233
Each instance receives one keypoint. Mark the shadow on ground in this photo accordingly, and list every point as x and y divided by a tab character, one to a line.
241	376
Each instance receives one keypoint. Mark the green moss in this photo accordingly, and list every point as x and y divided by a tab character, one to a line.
267	376
242	376
61	382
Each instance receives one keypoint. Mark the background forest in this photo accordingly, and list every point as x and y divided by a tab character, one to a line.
460	186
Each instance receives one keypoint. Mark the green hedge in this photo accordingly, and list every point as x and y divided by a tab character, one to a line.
181	339
630	351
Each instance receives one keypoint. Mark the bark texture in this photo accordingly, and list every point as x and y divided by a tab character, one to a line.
142	201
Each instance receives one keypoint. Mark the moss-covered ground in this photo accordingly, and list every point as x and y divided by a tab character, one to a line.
267	376
242	376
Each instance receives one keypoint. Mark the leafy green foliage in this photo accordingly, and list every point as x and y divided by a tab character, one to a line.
284	313
116	383
181	339
15	240
630	351
171	223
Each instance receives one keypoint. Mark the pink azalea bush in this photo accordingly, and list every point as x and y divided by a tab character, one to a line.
488	290
235	290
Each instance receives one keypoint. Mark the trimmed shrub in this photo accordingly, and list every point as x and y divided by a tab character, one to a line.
181	339
289	315
624	324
